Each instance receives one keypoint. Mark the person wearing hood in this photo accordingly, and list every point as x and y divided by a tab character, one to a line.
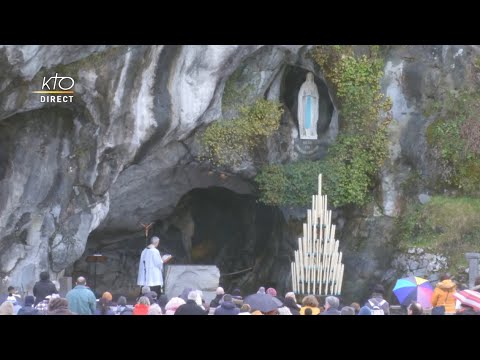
443	294
227	307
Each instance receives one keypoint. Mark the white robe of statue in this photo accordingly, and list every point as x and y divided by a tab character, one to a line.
308	109
150	268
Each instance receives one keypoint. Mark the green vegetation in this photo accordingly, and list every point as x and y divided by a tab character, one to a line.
454	139
292	184
234	95
445	225
353	162
229	142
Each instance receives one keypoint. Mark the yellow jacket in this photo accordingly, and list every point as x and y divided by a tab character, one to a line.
315	310
443	295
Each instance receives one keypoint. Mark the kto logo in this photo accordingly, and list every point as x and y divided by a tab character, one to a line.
56	85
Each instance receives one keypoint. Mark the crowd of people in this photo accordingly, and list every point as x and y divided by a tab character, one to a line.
82	301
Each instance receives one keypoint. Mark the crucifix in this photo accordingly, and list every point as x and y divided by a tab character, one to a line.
147	229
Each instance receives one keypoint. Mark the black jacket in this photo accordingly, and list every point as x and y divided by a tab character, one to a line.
190	308
42	289
215	302
292	306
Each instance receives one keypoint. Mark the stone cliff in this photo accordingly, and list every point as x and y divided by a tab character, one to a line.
80	177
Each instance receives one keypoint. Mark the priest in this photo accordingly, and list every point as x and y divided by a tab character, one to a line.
151	267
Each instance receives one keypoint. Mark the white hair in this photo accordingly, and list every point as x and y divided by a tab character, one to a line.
144	300
332	301
154	310
290	294
154	240
192	295
220	291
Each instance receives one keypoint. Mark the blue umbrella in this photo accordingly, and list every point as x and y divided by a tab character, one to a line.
262	302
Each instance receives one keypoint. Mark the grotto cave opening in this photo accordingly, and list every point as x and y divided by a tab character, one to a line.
249	242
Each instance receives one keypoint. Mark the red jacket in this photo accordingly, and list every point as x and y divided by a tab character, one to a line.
140	309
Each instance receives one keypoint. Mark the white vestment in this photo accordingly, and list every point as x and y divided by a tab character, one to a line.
150	268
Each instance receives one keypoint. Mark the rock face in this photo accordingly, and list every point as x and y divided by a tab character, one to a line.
201	277
125	150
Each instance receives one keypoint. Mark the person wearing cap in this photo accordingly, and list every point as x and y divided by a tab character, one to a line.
377	300
28	308
103	307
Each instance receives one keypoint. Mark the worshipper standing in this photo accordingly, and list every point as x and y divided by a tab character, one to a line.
443	296
81	299
43	288
151	267
377	302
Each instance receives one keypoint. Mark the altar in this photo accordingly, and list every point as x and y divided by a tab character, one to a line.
201	277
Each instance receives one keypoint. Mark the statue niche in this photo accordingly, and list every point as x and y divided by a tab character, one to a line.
308	109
